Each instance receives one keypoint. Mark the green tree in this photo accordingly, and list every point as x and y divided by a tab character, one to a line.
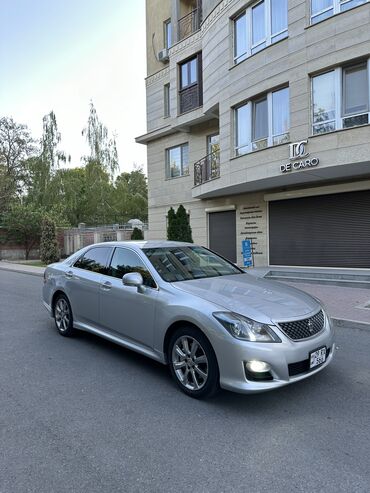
103	148
22	224
130	198
49	250
68	187
178	227
42	167
183	226
98	195
137	234
171	225
16	146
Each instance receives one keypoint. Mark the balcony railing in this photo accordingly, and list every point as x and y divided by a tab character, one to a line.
189	24
190	98
207	168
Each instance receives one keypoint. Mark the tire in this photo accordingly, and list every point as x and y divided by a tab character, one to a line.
193	364
63	316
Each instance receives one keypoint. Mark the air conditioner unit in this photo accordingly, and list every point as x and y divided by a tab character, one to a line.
163	55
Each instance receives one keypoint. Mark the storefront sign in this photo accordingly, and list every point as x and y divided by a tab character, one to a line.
297	153
247	253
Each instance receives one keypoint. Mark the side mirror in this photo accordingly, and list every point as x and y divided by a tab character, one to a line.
133	279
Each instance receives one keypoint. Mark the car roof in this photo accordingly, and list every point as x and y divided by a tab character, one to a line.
145	244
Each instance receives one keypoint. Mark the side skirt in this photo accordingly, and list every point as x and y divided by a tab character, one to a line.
122	341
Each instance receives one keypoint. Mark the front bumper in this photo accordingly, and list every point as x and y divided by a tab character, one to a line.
232	355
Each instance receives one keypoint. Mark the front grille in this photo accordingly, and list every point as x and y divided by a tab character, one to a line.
303	366
301	329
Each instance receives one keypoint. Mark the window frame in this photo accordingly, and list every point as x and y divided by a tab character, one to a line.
336	7
166	100
340	117
167	40
269	39
188	63
93	247
251	146
167	162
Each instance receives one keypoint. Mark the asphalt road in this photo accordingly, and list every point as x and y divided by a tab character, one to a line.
83	415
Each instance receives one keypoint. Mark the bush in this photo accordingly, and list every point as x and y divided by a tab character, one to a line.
137	234
49	251
178	225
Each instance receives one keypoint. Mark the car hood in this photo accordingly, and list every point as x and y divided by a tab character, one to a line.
259	299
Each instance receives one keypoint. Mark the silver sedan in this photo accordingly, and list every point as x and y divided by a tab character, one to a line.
187	307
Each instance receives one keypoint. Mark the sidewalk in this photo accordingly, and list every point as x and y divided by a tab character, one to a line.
346	305
21	268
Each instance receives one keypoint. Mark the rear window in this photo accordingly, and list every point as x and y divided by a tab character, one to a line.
94	260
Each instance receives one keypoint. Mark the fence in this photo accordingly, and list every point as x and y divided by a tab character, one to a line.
76	238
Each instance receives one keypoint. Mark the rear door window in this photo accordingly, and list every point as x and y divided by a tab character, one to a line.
95	260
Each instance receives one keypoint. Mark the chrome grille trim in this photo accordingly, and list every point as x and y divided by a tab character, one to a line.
304	328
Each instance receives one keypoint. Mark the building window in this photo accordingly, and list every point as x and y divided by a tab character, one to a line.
262	122
166	101
189	73
167	27
190	92
322	9
340	98
177	161
259	26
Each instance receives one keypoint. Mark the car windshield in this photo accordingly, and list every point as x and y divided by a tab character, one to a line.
184	263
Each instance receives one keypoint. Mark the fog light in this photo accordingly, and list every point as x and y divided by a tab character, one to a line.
257	366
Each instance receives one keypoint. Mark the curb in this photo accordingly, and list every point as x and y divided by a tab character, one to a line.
20	271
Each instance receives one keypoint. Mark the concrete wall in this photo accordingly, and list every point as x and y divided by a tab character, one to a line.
157	11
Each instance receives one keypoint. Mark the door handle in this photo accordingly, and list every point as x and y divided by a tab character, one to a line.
106	286
69	274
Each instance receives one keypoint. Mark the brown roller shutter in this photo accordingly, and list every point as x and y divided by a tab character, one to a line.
222	234
325	231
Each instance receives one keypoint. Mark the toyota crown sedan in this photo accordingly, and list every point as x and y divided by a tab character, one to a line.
183	305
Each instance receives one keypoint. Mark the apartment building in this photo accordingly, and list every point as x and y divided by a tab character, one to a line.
258	122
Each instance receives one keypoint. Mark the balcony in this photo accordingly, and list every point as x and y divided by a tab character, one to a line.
190	98
190	23
207	168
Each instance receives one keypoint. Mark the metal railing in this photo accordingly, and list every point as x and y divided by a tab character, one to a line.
207	168
189	24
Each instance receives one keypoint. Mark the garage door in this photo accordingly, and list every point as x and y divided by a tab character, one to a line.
324	231
222	233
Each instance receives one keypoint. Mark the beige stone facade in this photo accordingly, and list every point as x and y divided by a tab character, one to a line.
250	181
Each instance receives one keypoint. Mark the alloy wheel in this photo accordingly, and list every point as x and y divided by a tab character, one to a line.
190	363
62	315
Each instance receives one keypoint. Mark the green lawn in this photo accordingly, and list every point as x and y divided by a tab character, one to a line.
33	263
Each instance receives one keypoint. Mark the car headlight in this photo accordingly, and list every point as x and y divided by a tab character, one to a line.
246	329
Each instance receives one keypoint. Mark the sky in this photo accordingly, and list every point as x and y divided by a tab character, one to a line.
60	54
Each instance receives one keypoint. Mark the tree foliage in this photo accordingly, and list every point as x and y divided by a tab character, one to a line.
178	228
16	145
22	224
137	234
49	250
103	148
33	181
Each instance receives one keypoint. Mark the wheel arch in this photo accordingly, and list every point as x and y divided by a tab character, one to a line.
173	327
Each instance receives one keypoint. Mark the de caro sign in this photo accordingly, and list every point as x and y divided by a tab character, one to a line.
299	158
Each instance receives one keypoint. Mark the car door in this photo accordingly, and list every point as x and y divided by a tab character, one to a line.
124	309
82	284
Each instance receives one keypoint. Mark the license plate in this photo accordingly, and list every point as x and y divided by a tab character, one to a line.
317	357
